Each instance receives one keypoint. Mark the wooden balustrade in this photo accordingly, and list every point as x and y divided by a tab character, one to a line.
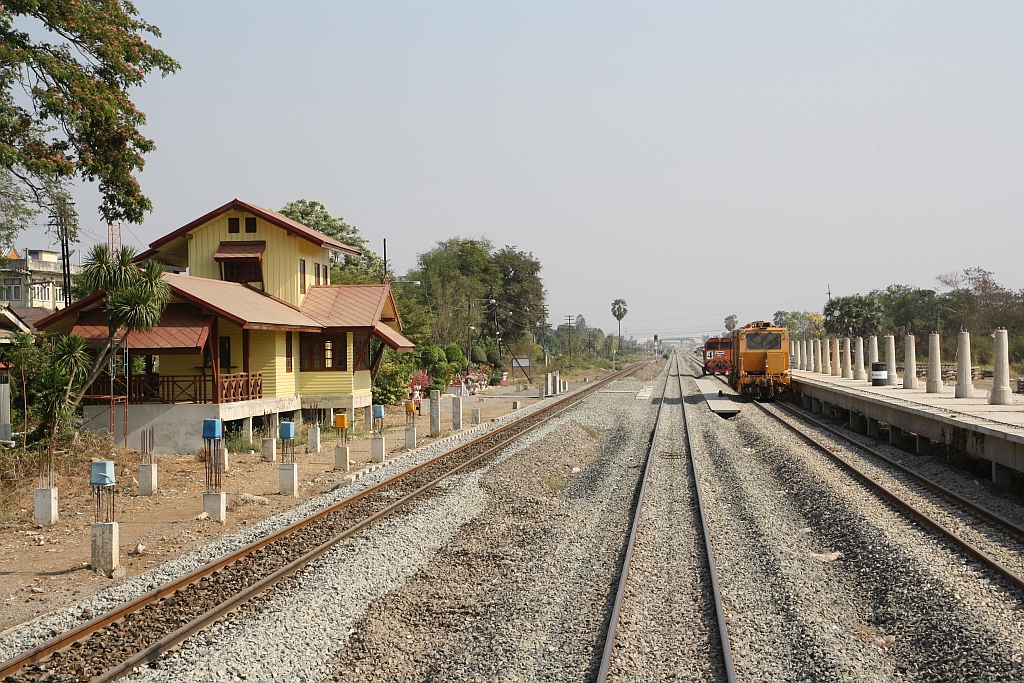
178	388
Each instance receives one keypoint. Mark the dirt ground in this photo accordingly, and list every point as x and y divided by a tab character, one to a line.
43	569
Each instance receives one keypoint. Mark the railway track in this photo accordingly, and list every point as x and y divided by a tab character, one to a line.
941	501
605	672
140	631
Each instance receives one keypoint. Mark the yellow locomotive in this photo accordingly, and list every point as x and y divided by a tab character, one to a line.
760	360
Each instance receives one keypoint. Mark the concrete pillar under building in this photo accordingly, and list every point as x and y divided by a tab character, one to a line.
890	360
148	480
341	458
288	476
964	382
378	450
216	505
270	449
225	464
246	429
456	412
816	406
815	356
1001	393
923	445
872	352
805	401
872	427
847	360
837	367
410	438
45	511
474	416
826	356
5	412
105	542
934	385
368	418
313	440
435	413
826	409
895	434
910	362
859	373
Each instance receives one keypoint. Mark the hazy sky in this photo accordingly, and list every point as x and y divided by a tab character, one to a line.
695	159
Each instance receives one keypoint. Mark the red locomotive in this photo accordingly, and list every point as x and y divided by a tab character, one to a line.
717	356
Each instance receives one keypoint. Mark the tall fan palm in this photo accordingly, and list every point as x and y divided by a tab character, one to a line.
135	298
619	311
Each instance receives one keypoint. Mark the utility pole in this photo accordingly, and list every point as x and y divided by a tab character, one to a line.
568	321
469	330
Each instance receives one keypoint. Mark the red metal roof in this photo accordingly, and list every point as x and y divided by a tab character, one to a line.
392	338
182	327
240	250
242	305
346	305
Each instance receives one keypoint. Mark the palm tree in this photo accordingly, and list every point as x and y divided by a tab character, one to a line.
135	298
619	311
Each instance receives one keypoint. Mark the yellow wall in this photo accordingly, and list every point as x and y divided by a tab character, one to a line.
280	259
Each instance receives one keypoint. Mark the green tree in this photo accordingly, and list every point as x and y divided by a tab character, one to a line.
66	109
134	299
519	296
391	385
345	269
619	312
854	315
730	322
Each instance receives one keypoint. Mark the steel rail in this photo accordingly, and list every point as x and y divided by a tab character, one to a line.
620	591
723	630
908	507
67	639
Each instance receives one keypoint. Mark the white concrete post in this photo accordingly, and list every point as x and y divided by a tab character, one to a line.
847	361
148	480
313	439
225	465
872	351
826	357
378	450
246	429
807	354
341	461
474	416
45	504
368	418
934	385
858	354
837	367
964	382
435	413
105	541
910	362
1001	394
270	449
288	478
890	360
816	355
5	412
410	438
215	505
801	361
456	412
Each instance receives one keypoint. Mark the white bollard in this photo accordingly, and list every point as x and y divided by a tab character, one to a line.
837	364
270	449
410	438
224	464
872	350
826	357
435	413
910	362
934	385
341	461
1001	393
45	504
105	541
816	355
456	412
474	416
858	354
847	361
288	474
313	440
148	482
216	505
964	382
890	361
378	450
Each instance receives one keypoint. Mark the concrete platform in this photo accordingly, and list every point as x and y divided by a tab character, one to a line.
970	425
720	397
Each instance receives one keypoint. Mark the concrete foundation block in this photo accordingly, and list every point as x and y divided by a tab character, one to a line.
435	413
964	383
368	418
378	450
313	440
289	479
540	391
1002	476
456	412
341	461
46	511
270	449
872	427
474	416
216	505
148	482
105	541
923	445
410	438
515	405
895	434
